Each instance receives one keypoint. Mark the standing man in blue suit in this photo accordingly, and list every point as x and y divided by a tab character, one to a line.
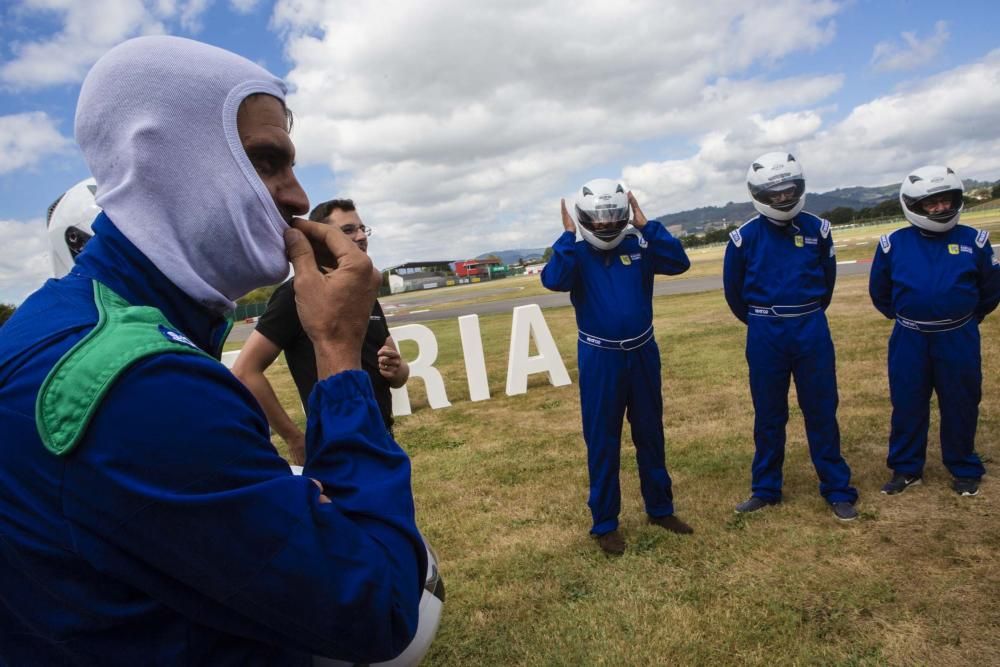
938	279
609	276
778	275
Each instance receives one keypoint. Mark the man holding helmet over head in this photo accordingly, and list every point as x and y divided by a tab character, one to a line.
778	274
609	276
938	279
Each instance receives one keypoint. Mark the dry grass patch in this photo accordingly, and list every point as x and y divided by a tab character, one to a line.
501	488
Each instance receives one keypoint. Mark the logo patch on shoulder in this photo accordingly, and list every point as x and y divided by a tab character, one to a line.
982	238
735	236
626	259
885	243
176	336
800	242
953	249
824	229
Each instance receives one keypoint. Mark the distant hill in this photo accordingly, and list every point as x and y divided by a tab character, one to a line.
696	220
514	256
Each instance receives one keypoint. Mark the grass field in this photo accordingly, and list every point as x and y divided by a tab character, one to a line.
501	488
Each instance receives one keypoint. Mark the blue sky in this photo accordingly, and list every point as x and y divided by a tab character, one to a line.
457	127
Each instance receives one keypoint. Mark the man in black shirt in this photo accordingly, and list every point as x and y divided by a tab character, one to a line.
279	330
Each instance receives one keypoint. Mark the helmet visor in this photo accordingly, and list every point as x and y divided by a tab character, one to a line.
939	206
75	240
782	196
606	221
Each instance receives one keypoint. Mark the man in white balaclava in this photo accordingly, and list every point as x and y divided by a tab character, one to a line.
147	517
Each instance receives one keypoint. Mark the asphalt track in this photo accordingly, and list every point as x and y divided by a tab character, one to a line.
432	305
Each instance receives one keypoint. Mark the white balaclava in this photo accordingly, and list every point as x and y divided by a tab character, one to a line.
156	122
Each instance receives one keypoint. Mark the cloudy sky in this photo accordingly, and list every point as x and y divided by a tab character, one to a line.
457	126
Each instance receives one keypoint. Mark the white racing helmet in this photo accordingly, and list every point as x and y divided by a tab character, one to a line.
602	200
431	606
429	617
777	186
69	223
925	183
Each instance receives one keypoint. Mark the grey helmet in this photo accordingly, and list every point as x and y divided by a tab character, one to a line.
777	186
602	200
932	181
69	223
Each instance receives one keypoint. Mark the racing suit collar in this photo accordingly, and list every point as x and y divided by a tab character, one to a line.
112	259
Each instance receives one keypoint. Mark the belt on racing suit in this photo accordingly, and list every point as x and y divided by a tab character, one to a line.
933	327
626	344
784	311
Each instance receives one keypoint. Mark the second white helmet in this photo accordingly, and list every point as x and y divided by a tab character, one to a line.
932	198
777	186
602	211
69	223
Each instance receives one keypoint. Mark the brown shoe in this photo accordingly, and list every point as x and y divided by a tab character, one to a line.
671	523
612	543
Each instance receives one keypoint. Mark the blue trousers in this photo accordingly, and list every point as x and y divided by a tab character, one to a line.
613	384
947	362
779	348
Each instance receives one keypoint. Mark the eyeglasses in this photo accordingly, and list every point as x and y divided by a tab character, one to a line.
351	230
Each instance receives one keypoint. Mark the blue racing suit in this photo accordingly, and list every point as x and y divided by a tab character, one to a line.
938	288
619	361
173	532
778	280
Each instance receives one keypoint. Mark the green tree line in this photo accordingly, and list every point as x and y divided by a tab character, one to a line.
6	310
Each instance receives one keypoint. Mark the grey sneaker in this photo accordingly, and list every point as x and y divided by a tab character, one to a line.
966	486
844	511
753	503
899	483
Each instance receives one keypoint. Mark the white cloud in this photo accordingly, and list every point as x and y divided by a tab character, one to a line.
27	138
890	56
243	6
451	123
190	14
947	119
24	259
88	30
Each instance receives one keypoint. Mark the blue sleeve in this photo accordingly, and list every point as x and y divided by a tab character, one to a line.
829	261
989	282
559	273
667	252
880	283
177	490
733	274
